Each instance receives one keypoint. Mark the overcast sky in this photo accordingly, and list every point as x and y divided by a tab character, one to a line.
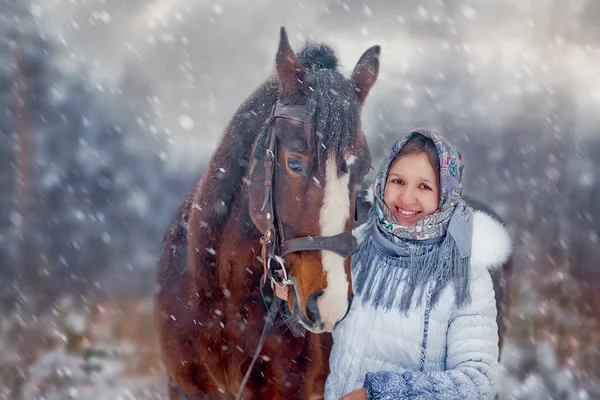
201	59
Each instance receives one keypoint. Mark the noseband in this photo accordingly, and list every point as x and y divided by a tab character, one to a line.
274	244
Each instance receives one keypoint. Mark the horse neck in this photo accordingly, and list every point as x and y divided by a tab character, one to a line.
240	241
219	218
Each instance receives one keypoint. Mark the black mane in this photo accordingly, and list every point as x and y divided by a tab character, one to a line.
333	106
317	55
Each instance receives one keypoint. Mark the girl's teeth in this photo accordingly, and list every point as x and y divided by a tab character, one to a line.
407	212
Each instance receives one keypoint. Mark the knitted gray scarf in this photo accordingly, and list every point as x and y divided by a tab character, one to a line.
379	267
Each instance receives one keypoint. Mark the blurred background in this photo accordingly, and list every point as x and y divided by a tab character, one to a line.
110	110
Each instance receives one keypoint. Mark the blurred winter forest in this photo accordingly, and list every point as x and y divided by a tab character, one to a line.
110	109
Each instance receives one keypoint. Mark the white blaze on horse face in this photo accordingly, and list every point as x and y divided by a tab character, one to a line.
334	215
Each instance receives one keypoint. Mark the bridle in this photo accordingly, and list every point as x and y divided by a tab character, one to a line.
274	244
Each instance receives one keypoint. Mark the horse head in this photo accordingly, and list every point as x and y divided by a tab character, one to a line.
306	167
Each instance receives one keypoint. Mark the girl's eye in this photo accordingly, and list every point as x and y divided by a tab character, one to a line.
294	165
425	187
398	181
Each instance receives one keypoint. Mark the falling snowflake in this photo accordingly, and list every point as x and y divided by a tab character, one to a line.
469	12
186	122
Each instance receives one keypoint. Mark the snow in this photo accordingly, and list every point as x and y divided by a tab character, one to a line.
218	9
469	12
129	101
186	122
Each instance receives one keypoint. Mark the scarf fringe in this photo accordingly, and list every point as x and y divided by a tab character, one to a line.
378	277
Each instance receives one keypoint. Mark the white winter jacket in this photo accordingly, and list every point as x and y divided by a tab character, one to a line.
436	352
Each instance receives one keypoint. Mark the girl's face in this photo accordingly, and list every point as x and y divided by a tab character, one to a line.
412	190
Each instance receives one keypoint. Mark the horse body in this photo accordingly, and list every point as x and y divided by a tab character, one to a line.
208	343
210	307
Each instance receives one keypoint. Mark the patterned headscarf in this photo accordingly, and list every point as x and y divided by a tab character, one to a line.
434	225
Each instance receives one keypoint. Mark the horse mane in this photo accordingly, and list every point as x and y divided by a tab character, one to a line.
317	55
331	111
333	123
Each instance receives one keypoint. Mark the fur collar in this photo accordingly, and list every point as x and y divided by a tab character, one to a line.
491	244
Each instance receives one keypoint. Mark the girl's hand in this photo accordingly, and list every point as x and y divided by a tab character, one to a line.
360	394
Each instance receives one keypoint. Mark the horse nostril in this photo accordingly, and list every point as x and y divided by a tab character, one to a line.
312	308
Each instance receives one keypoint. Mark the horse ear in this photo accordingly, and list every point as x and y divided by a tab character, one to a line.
366	71
288	69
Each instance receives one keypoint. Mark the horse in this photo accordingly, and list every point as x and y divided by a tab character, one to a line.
265	235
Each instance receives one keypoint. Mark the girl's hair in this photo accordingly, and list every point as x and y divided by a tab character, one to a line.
418	144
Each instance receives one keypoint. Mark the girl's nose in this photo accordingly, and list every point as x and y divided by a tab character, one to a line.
409	196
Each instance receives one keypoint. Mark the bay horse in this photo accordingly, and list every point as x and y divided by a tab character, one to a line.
276	203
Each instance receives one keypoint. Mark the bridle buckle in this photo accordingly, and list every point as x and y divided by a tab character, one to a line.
279	277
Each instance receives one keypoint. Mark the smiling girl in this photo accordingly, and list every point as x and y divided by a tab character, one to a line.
423	321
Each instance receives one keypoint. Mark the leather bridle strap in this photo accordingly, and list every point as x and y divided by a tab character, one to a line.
293	112
343	244
273	242
273	310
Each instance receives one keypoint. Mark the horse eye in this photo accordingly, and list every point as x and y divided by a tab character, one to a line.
294	165
344	168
